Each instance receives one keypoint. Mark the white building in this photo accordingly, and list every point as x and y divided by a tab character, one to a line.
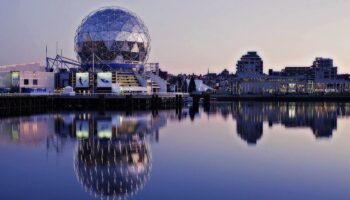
26	78
200	86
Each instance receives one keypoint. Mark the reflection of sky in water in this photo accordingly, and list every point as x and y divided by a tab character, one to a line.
239	151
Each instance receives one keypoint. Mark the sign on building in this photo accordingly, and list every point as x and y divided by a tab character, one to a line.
82	80
15	81
104	80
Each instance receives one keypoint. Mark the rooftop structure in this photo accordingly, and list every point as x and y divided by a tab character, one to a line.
250	64
321	69
34	66
323	62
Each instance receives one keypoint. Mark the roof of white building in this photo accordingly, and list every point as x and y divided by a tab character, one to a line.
35	66
200	86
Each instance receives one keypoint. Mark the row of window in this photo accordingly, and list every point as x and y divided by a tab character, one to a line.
26	81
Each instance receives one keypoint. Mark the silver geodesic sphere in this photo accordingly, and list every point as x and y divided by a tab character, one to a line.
114	35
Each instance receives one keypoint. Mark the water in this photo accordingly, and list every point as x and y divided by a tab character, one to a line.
241	150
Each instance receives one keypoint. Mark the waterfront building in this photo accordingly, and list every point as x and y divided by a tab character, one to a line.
323	69
152	68
155	83
200	86
292	71
320	77
250	64
26	78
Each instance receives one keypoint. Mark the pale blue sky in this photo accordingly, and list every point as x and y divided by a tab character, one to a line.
190	35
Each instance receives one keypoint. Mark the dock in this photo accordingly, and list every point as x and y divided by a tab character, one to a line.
26	103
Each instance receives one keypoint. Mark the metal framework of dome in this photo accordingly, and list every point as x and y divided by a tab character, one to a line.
112	36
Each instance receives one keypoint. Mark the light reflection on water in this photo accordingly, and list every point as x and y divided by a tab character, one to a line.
243	150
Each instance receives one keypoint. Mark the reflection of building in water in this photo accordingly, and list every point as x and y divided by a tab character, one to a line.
30	131
113	168
250	124
320	117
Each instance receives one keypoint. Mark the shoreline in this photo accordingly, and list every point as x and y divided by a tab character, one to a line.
14	104
26	103
288	97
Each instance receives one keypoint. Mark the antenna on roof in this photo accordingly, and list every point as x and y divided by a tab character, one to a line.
47	64
56	48
61	57
57	65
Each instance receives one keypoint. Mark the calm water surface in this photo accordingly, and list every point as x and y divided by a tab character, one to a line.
229	151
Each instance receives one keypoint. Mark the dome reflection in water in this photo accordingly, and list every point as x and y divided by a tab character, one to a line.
114	163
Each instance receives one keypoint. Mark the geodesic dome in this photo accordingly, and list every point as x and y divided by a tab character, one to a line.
112	35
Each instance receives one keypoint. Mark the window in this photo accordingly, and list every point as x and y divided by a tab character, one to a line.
26	81
35	81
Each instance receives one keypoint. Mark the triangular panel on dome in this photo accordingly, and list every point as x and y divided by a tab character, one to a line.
122	36
141	47
86	37
119	59
142	56
118	45
144	38
146	45
110	35
78	46
127	27
125	47
138	37
133	21
79	38
116	26
136	28
132	37
108	44
113	35
94	36
101	36
135	48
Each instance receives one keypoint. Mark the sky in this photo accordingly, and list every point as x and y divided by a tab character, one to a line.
190	36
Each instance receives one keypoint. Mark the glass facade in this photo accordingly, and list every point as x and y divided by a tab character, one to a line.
111	36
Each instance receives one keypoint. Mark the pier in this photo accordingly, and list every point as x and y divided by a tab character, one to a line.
12	104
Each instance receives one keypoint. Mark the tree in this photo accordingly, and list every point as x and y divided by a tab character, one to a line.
192	85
